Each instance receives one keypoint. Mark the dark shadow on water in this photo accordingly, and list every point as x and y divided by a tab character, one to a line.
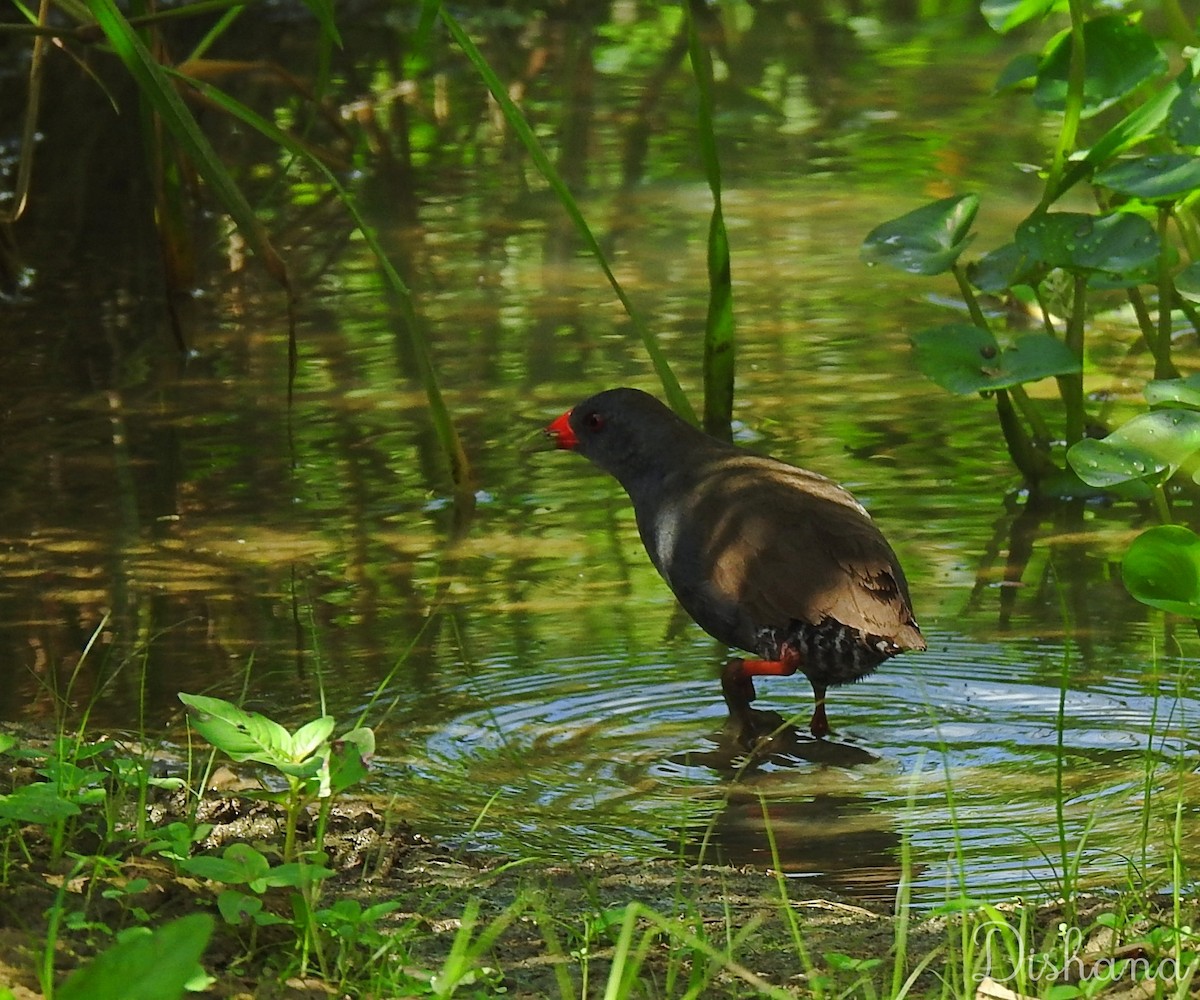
782	745
844	843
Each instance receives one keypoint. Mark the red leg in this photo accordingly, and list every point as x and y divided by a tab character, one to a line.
788	663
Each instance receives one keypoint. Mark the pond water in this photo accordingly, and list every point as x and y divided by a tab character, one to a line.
534	689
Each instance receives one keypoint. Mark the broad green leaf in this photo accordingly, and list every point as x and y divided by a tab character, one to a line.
1161	568
927	240
242	735
1177	391
1004	15
1116	243
1183	117
1167	177
1119	58
1020	70
965	359
157	965
40	802
238	907
306	740
239	864
1149	448
1140	124
1187	281
1002	268
297	875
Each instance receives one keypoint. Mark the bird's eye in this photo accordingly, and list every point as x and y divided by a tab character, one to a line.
593	422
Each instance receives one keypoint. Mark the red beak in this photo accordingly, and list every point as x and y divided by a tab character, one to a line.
560	431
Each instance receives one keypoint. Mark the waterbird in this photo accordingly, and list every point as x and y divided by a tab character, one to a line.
766	557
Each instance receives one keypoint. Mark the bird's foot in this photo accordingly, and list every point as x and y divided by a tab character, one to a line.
759	731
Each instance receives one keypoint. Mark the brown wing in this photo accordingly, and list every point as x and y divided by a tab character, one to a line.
789	546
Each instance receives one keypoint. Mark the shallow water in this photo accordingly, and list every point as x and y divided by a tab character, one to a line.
533	687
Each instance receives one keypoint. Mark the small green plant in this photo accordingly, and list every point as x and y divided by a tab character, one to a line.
314	766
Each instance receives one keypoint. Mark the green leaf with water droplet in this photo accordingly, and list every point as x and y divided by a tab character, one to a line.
1118	243
1177	391
965	359
1004	267
1004	15
1187	281
1162	569
1183	116
927	240
1166	177
1119	58
1148	449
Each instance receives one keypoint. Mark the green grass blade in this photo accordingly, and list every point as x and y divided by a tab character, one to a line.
516	121
719	355
439	413
157	87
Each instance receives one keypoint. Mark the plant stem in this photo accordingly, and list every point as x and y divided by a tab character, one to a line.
1071	386
1029	462
1163	366
1072	107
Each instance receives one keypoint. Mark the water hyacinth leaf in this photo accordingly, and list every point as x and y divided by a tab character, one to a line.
1161	568
1019	71
965	359
1116	243
1002	268
1141	123
1167	177
927	240
1187	281
1176	391
1183	117
1149	448
1120	57
1004	15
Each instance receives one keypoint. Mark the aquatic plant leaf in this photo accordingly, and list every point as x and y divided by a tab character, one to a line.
1117	243
1177	391
1149	448
1119	58
1139	124
927	240
1004	267
1166	177
1020	70
1161	568
1187	281
965	359
1004	15
145	966
1183	117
